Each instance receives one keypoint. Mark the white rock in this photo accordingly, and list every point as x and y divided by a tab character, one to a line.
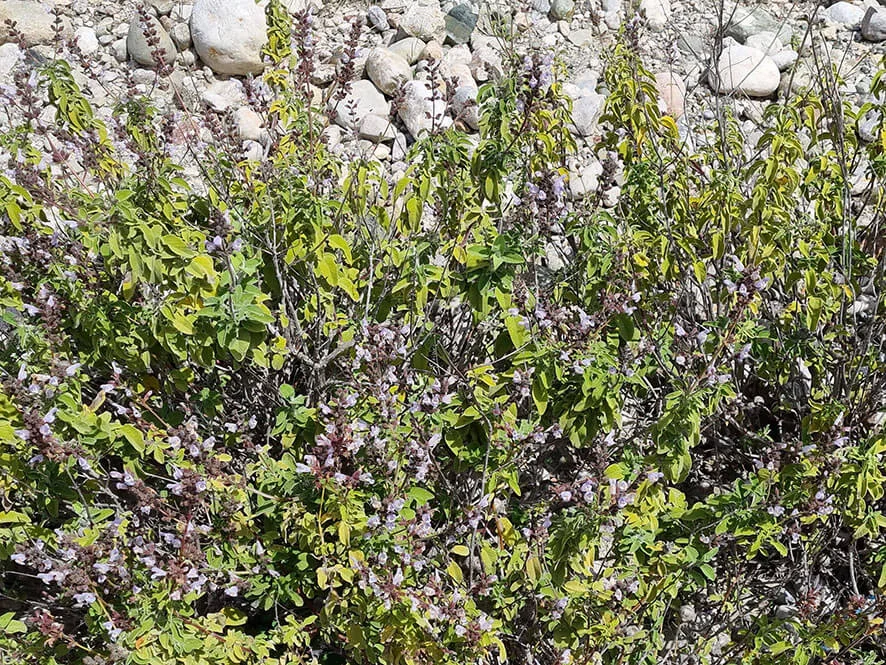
672	90
253	151
249	123
464	103
86	40
387	70
362	99
409	49
746	21
746	70
486	64
433	50
221	95
785	59
657	13
421	111
585	181
228	35
118	48
137	45
332	135
873	25
585	111
462	75
376	127
424	19
765	41
33	19
581	38
10	56
181	35
457	55
845	13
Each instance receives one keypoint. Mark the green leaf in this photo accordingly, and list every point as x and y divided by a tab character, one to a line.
519	335
182	323
134	436
178	246
10	625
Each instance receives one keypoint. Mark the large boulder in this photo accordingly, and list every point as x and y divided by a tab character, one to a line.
32	19
137	43
228	35
657	13
672	90
424	19
873	25
745	70
421	110
362	99
742	22
387	69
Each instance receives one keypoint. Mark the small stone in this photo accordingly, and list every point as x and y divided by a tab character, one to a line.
687	613
162	7
765	41
253	151
387	70
460	23
362	99
118	48
672	90
486	64
424	19
221	95
410	49
785	612
464	103
873	25
846	14
400	147
188	58
376	128
657	13
249	123
746	70
585	181
323	74
86	40
181	35
433	51
611	197
332	135
229	35
581	38
137	44
867	127
585	111
377	18
142	76
10	56
421	110
785	59
562	10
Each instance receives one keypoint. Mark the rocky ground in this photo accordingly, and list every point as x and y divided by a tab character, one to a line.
703	55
